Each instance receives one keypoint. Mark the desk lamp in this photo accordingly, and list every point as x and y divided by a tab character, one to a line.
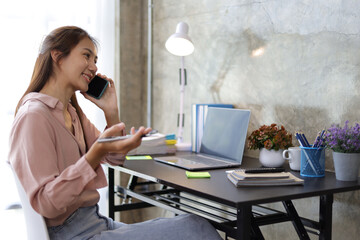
181	45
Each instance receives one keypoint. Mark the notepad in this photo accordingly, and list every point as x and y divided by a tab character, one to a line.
198	174
239	179
146	157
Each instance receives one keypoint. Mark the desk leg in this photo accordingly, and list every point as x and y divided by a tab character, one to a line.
257	234
111	193
133	180
295	219
243	224
326	202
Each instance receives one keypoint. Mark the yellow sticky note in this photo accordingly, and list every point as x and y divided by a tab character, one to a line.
147	157
197	174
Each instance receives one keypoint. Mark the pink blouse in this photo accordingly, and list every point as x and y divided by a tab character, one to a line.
50	160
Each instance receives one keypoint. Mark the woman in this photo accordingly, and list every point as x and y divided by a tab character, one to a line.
54	152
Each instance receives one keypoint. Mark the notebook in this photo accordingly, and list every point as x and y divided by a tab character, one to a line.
222	144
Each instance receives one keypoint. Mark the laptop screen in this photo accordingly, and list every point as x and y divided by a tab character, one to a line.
225	133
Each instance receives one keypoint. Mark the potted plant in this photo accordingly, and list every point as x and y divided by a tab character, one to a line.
271	140
345	144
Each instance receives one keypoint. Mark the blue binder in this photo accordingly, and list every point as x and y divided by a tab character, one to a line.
198	117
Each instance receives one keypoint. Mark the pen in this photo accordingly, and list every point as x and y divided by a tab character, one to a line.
310	161
300	139
317	139
307	144
321	138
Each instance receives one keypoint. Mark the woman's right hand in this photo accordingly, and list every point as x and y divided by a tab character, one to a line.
99	150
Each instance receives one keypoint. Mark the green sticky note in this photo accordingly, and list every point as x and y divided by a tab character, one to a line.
197	174
147	157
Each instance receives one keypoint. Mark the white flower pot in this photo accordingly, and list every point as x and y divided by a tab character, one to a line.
346	166
271	158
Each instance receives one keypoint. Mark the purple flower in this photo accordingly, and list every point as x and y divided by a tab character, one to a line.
343	139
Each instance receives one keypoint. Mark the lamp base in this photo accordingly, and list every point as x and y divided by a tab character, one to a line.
183	147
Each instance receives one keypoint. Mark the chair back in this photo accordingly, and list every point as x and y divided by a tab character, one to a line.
35	223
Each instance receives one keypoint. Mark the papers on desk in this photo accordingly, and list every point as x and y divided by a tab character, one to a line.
154	144
239	179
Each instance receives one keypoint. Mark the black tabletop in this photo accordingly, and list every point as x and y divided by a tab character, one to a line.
220	189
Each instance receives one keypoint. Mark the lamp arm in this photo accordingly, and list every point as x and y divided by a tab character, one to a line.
182	93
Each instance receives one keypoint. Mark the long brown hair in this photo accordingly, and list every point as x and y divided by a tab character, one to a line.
63	39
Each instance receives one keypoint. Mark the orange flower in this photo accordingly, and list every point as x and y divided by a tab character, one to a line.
270	137
268	144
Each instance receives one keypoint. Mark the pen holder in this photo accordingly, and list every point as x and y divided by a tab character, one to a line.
312	162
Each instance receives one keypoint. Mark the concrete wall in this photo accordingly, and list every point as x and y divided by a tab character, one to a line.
307	78
133	69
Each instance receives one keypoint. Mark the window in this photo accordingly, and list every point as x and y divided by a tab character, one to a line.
23	25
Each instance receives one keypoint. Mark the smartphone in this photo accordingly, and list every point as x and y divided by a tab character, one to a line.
113	138
97	87
116	138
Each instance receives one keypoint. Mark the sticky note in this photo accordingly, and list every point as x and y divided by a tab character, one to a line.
146	157
197	174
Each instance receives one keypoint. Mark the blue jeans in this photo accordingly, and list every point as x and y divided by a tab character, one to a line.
87	223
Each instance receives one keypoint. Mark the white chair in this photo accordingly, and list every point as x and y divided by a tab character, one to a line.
35	223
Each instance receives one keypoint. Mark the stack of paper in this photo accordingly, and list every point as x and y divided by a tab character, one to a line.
154	144
170	142
240	178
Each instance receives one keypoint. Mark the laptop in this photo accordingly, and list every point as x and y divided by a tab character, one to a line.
222	144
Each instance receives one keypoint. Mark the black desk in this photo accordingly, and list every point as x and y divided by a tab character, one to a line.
248	215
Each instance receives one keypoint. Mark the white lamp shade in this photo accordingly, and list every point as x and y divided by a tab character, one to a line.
180	43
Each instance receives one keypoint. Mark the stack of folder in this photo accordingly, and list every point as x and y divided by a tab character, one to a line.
240	178
198	118
170	141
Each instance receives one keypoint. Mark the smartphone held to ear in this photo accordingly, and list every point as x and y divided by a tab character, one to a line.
97	87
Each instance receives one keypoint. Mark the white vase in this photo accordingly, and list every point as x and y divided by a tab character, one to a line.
346	166
271	158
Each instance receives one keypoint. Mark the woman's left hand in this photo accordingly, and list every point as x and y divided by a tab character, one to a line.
107	102
98	150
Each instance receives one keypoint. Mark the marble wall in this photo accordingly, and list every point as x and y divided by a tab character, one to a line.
307	78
